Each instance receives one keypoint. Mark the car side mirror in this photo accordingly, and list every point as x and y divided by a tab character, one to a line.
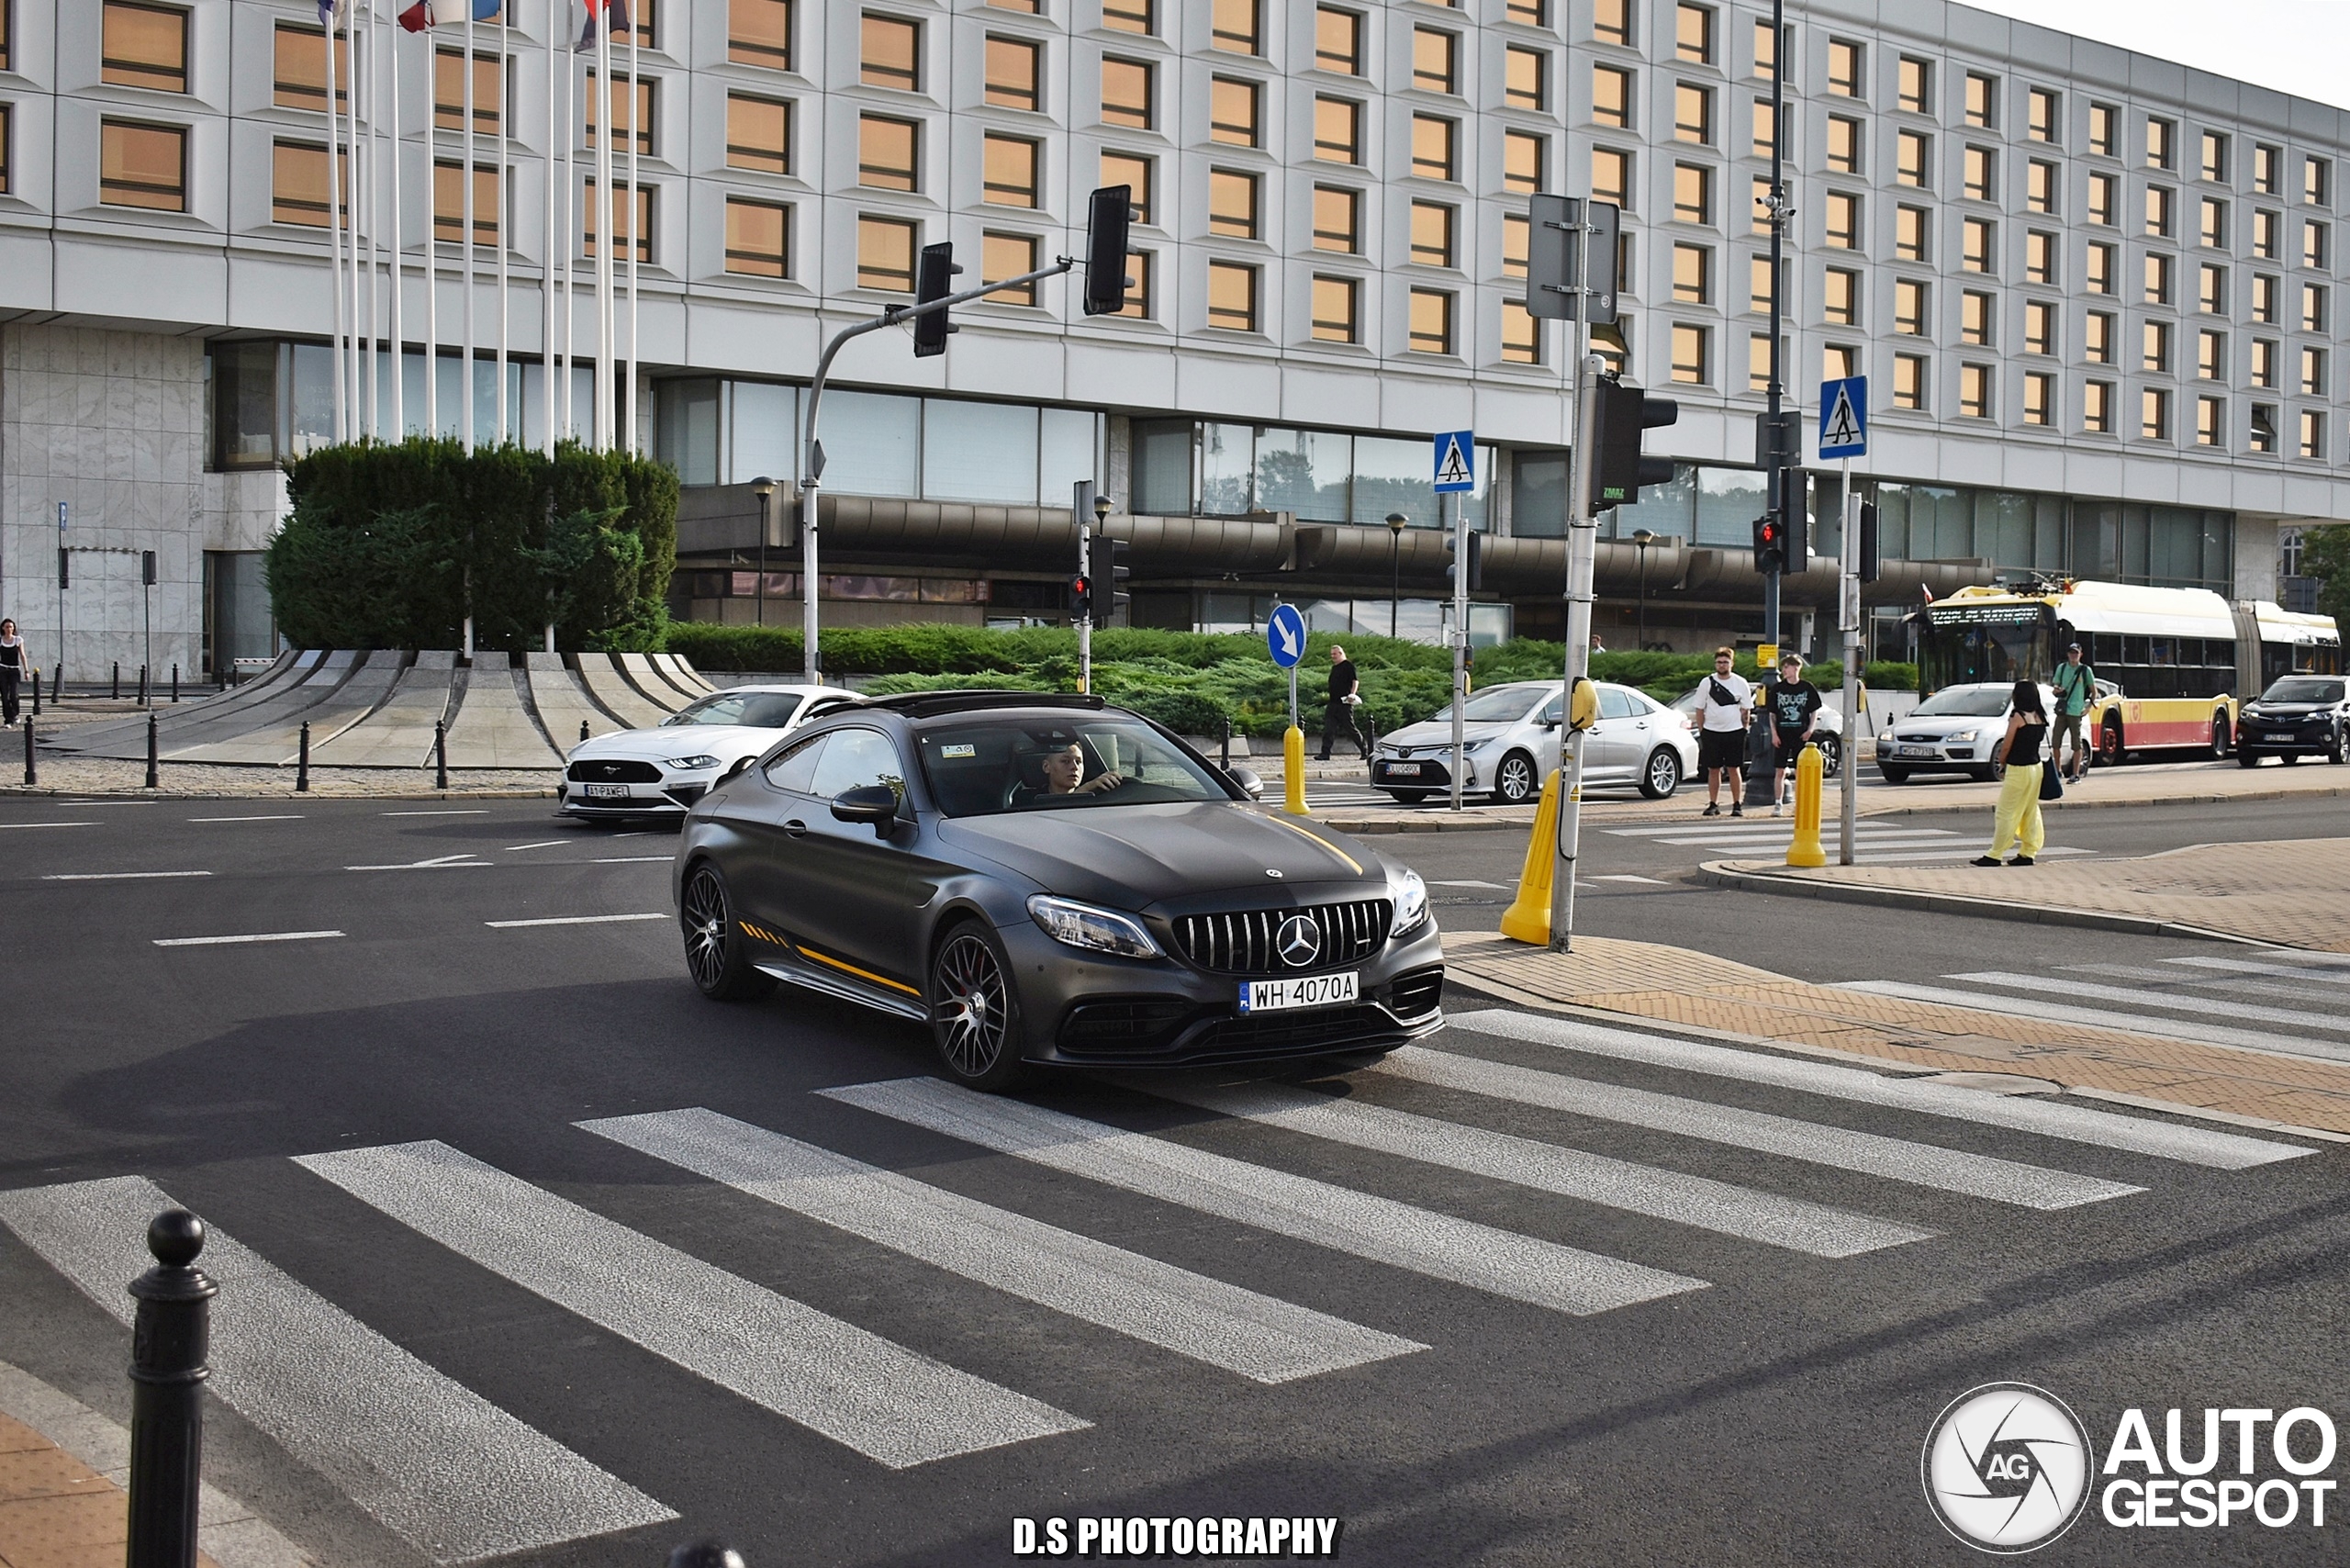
1250	785
735	769
1548	722
875	805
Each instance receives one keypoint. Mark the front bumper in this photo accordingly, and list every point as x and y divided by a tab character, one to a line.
1081	1009
671	798
1427	773
1934	753
2280	737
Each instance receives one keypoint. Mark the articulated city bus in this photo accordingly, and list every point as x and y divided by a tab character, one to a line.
2181	657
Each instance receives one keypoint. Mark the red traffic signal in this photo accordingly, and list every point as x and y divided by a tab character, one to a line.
1081	597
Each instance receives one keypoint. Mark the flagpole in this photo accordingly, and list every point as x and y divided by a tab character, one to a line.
466	397
400	255
604	195
432	239
546	270
361	88
338	205
570	226
635	135
505	215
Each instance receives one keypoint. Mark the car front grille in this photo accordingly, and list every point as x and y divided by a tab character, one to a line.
615	772
1268	1033
1243	943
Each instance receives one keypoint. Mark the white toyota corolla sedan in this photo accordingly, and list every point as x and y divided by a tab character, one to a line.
663	770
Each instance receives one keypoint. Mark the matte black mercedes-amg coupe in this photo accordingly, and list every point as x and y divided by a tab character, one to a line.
1049	879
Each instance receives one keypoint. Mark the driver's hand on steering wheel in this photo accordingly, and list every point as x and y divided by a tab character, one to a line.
1099	784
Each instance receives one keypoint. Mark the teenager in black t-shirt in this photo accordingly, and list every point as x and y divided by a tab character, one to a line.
1794	705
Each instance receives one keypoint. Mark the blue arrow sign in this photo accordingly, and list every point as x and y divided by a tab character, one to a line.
1844	416
1285	635
1456	461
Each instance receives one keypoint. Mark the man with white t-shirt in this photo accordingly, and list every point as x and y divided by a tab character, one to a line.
1723	699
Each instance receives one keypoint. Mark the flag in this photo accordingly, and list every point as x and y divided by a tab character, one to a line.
617	10
442	13
416	19
327	8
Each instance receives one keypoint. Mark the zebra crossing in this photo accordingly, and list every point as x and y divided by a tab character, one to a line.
463	1479
2203	999
1875	840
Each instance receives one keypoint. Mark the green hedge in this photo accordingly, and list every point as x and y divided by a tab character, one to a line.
388	546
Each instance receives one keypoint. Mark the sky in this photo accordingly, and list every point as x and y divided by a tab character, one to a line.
2295	46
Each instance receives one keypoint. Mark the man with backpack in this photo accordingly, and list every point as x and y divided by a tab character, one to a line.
1723	699
2075	687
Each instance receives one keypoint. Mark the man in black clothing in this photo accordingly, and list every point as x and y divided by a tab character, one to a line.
1338	715
1794	705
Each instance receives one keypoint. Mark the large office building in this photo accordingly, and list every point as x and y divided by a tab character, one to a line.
2093	292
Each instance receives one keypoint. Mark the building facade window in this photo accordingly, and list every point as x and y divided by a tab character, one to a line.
1611	95
2264	352
1338	130
1912	234
2097	337
2104	206
1909	381
1840	296
887	153
759	238
758	32
1913	153
1338	310
1232	111
1611	176
2162	137
1521	334
1978	245
2039	326
298	184
1977	319
1338	40
1690	343
2213	230
1611	21
2313	433
2312	371
1842	221
631	213
298	69
1974	383
1338	219
1232	203
1693	33
1432	233
2211	355
1139	174
1131	17
885	254
2156	346
1005	256
1844	143
1845	62
2215	156
142	166
1127	93
2266	308
1693	114
143	46
1914	88
1525	160
2265	161
1431	321
1014	73
2211	290
1432	146
2043	114
1693	194
1235	26
1435	60
1982	101
1525	79
1692	274
2264	427
2039	256
1232	296
2153	414
2210	421
2040	186
1010	170
2097	408
1912	308
2097	274
890	52
2039	399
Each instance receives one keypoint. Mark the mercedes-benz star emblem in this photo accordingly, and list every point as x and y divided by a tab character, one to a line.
1299	942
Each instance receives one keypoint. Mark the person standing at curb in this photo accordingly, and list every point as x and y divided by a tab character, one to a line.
1721	733
2075	685
2018	824
1795	713
1338	715
15	664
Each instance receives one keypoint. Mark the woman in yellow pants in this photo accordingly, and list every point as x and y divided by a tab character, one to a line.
2019	825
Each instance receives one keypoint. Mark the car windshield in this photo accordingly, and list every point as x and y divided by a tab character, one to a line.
2302	689
759	709
1964	702
1504	705
980	766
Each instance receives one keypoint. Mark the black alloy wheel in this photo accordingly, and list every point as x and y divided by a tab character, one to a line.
973	1012
1513	781
1661	777
1831	754
2339	752
716	953
2219	736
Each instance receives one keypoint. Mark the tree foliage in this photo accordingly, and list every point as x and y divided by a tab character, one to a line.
2326	554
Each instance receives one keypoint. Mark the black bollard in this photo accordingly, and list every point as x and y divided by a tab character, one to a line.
168	1343
142	686
117	690
175	668
440	753
150	749
302	764
1225	759
32	773
710	1553
36	693
583	724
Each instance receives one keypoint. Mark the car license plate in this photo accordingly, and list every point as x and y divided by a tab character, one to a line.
1404	769
2272	735
1913	751
606	792
1307	991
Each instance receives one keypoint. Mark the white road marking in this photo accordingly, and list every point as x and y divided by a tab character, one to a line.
2265	1041
115	876
1840	1149
291	818
464	811
2245	966
2170	982
1257	1335
1628	877
2331	1023
256	936
629	860
2075	1123
109	802
1759	827
888	1403
439	863
7	825
543	844
1441	1246
1467	883
447	1471
1698	1201
569	920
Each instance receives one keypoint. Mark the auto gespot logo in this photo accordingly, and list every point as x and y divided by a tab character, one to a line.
2007	1468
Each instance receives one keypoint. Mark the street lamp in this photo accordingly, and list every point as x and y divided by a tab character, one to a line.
1396	523
763	488
1642	539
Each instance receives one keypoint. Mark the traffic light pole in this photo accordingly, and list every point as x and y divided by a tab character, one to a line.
811	464
1776	456
1460	638
1582	549
1848	621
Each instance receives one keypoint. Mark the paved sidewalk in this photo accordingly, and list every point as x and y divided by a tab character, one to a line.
1996	1051
2291	892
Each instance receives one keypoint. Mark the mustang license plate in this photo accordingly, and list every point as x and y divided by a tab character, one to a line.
1400	769
1307	991
606	792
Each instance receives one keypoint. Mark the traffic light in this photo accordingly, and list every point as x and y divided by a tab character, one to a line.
933	279
1105	556
1868	573
63	571
1770	544
1476	561
1795	518
1109	212
147	569
1081	597
1618	470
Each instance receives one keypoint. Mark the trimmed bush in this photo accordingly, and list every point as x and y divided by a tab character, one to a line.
387	546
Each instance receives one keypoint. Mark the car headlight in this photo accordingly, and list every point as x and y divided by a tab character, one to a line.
1885	739
1962	735
1083	926
1478	746
700	760
1411	901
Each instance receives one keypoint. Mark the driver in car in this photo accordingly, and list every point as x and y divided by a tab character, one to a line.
1064	773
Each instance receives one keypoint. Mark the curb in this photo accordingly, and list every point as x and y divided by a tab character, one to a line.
1727	874
2334	791
42	791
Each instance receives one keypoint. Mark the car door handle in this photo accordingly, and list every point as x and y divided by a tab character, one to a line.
795	827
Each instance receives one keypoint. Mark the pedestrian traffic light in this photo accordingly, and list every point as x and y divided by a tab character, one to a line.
147	569
1617	470
1081	597
1476	543
1109	212
1794	508
1103	565
1770	544
933	279
1869	568
63	572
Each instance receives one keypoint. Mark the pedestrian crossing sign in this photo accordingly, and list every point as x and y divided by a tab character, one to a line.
1456	461
1844	416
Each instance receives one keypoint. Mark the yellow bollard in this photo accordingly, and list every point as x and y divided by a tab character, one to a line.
1529	918
1804	849
1294	771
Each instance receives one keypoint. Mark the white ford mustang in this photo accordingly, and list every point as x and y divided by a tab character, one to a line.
663	770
